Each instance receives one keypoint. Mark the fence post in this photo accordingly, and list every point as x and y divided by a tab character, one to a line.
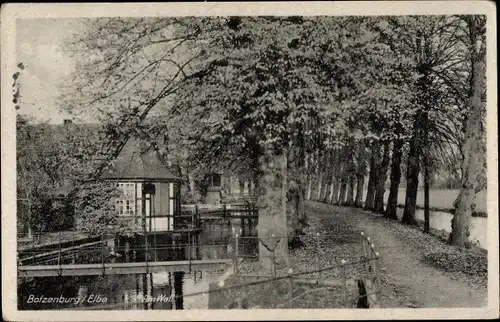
344	277
102	254
74	256
368	255
59	256
374	261
363	240
236	252
376	280
146	251
318	261
189	250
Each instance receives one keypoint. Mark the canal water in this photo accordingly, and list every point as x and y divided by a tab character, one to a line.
154	291
442	221
167	291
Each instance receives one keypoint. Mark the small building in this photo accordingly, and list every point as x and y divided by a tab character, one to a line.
151	192
214	190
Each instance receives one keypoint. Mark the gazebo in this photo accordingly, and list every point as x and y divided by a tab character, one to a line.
151	193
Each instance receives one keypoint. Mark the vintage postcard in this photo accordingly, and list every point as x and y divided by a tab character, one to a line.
246	161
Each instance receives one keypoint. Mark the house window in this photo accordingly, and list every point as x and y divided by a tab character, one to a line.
171	199
126	205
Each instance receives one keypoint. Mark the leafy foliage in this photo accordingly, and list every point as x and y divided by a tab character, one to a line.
56	165
231	93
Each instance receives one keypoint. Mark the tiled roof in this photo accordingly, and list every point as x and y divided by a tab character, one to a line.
136	163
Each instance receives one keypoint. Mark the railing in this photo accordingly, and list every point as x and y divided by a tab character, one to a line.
352	280
245	199
230	211
43	248
360	290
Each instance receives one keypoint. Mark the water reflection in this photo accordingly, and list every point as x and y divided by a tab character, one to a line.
442	221
153	291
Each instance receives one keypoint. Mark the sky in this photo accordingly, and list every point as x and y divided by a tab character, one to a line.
39	44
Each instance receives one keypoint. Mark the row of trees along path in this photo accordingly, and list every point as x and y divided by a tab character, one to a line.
292	102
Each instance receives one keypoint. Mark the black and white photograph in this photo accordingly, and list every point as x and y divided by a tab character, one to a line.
249	158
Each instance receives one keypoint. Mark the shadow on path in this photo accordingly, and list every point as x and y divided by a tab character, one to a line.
406	280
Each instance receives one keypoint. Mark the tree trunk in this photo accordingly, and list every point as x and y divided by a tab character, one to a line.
320	182
343	188
241	184
308	177
272	228
330	192
333	178
392	202
293	205
302	179
301	209
288	221
296	191
308	194
324	179
426	175
473	148
192	188
318	176
324	194
338	182
336	191
229	185
412	172
179	170
291	195
350	190
328	174
381	178
360	175
321	189
336	177
326	186
370	194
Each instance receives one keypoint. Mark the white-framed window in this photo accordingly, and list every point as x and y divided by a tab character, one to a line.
171	197
126	204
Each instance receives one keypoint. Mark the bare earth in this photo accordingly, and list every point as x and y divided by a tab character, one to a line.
407	281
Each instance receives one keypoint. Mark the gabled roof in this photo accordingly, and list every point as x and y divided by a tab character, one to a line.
135	162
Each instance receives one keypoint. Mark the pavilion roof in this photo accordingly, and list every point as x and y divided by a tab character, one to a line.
139	162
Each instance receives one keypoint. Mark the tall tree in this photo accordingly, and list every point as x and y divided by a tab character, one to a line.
473	146
392	201
381	178
360	174
372	180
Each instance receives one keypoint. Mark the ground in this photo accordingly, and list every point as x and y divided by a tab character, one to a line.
410	274
417	270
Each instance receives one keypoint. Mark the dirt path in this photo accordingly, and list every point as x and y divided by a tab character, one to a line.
406	280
